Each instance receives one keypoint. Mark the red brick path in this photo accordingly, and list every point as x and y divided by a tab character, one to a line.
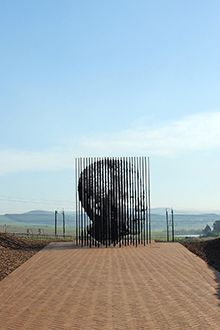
162	286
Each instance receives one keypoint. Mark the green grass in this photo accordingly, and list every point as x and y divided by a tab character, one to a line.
34	230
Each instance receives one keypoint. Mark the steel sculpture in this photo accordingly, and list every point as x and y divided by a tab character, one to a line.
112	201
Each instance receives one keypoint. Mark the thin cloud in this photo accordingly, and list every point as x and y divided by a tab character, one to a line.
193	133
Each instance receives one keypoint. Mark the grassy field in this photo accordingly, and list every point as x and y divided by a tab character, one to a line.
34	229
47	232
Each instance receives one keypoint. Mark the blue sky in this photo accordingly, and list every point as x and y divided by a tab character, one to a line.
82	78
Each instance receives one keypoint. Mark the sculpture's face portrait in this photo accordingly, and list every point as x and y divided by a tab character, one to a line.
112	195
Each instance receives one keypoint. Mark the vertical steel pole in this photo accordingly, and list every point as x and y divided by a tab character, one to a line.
149	198
122	202
114	206
119	200
110	176
130	199
97	199
133	201
116	199
81	210
144	204
78	203
79	214
93	201
143	201
127	200
89	200
167	223
64	225
146	199
79	175
76	214
101	187
138	199
116	202
55	223
83	199
86	199
108	199
172	217
85	203
106	202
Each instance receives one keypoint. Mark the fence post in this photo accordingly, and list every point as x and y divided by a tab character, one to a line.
64	224
172	219
167	222
55	223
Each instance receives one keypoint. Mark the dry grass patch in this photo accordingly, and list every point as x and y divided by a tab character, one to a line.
15	251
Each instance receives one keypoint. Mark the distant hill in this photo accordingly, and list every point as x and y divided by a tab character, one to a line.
46	218
36	218
185	221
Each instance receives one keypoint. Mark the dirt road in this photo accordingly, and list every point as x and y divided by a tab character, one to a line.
162	286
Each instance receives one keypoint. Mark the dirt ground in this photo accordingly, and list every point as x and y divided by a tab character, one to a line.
15	251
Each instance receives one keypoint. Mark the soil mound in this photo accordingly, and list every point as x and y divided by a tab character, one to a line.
13	242
208	250
14	251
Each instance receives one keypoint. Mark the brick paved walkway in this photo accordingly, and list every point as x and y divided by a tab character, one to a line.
162	286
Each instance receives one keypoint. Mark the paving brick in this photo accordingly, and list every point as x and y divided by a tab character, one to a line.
161	286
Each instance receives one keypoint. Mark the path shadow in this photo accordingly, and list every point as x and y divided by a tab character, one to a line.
209	251
73	246
217	279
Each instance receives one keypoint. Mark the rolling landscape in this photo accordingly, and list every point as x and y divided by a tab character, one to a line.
185	223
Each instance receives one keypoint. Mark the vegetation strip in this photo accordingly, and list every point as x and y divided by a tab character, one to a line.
208	250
